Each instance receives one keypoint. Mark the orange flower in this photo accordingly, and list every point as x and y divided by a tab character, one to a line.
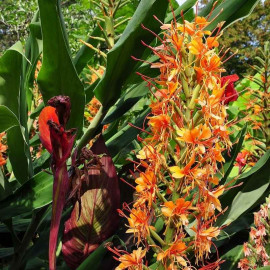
196	46
175	252
180	209
159	123
212	42
203	240
195	135
133	261
146	181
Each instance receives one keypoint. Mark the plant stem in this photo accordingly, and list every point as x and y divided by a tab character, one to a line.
91	131
157	237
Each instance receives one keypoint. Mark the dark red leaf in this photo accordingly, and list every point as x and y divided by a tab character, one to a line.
97	218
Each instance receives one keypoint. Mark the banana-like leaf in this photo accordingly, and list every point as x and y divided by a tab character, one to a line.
97	218
10	96
58	75
255	183
119	62
34	194
229	11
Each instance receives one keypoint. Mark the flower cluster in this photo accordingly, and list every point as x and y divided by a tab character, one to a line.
182	148
255	251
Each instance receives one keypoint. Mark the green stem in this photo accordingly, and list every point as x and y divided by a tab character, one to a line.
157	237
195	95
91	131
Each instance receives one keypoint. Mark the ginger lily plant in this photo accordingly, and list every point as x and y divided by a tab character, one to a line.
59	196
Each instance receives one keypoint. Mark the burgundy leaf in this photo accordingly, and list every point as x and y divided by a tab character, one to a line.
97	218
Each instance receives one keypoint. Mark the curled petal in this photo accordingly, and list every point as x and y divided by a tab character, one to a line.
63	107
47	114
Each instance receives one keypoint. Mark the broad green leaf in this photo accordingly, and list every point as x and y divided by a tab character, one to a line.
229	11
255	183
10	76
264	268
119	62
58	75
10	96
232	258
37	192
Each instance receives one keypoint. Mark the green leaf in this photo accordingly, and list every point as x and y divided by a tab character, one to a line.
229	11
119	62
232	258
126	135
58	75
5	252
130	98
255	183
7	119
85	53
184	7
10	76
236	149
18	224
94	260
37	192
264	268
10	96
5	186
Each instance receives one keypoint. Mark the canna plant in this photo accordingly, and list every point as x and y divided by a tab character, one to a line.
58	202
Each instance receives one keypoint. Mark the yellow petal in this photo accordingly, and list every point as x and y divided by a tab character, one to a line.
176	172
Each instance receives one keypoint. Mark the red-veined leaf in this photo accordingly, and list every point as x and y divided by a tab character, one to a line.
97	218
